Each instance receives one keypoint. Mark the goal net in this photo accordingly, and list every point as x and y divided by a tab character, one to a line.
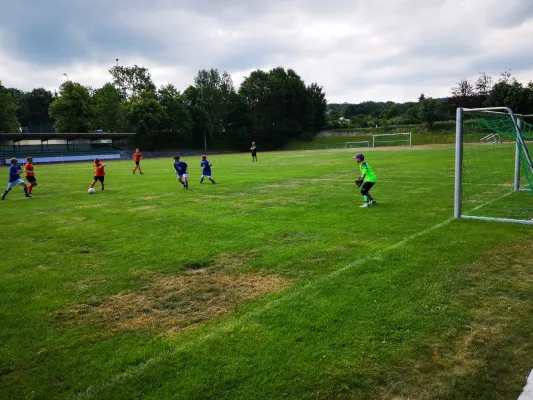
352	145
392	139
493	168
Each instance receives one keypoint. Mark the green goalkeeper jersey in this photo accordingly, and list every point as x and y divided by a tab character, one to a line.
366	169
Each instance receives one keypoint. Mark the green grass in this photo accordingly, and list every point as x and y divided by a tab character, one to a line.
273	283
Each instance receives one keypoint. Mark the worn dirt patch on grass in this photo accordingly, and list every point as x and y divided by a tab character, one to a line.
233	261
172	303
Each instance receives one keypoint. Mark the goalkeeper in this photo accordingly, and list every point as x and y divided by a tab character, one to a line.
367	179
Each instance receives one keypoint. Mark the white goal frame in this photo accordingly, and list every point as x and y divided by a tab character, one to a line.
363	141
409	140
520	145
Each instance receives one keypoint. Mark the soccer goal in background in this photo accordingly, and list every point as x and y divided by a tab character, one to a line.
493	178
352	145
392	139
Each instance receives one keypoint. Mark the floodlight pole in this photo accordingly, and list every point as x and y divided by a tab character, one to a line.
458	163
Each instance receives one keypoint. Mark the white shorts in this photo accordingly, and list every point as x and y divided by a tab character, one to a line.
13	184
182	176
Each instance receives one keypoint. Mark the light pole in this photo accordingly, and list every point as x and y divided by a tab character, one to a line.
205	136
117	62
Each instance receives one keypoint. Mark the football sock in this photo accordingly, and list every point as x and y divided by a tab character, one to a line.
26	191
365	197
92	185
212	180
5	193
201	180
102	186
29	189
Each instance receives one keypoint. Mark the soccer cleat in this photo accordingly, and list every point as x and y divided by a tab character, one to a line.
133	172
365	205
142	173
373	201
3	196
28	196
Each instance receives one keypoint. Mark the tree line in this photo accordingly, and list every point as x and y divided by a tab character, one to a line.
269	107
484	92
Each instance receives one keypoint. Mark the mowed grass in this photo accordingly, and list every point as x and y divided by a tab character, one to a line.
273	283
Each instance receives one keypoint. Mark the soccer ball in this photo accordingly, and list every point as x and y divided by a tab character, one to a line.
91	191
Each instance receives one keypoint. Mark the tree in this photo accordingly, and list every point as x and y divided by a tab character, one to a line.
463	95
215	91
483	85
144	116
8	112
320	104
176	123
429	111
130	81
421	98
72	111
107	113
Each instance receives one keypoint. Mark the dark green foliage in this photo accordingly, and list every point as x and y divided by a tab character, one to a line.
72	109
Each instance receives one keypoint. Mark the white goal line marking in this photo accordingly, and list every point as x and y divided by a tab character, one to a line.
228	325
92	391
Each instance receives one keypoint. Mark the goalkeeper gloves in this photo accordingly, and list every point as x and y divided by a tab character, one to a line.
359	182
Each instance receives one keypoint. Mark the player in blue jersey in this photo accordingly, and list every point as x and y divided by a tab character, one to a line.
182	171
206	169
14	178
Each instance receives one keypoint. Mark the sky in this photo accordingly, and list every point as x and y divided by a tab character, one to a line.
357	50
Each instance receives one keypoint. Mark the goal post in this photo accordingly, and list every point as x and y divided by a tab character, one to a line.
351	145
391	139
493	179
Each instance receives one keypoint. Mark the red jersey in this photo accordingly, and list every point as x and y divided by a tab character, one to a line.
137	156
28	169
99	169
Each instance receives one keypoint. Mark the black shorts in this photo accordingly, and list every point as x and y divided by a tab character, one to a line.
31	179
99	178
367	186
254	154
137	163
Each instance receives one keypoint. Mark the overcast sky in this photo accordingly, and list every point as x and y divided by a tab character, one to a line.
356	49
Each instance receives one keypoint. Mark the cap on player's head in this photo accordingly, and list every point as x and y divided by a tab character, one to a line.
14	161
176	158
359	156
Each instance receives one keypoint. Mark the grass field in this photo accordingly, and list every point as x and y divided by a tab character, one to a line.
273	283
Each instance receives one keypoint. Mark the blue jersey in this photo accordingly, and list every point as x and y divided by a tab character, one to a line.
14	173
206	167
180	167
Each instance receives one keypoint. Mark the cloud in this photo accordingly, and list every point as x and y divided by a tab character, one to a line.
356	50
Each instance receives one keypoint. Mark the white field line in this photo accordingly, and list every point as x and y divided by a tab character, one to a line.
228	326
93	391
527	393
